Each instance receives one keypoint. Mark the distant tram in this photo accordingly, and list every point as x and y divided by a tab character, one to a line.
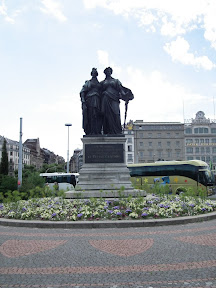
65	181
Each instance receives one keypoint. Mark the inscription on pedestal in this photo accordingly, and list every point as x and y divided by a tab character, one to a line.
104	153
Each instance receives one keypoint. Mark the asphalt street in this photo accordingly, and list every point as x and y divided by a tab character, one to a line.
163	256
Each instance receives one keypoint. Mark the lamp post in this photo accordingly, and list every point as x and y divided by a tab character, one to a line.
68	125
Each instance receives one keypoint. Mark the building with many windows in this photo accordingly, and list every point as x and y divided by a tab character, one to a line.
129	146
200	139
155	141
13	154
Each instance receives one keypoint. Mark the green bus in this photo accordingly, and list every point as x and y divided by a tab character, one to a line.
177	175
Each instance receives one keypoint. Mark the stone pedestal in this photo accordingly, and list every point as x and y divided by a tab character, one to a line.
104	166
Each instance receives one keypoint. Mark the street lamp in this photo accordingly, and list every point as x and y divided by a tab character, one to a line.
68	125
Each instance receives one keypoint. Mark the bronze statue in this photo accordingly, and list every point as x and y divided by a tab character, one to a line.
91	105
112	91
100	104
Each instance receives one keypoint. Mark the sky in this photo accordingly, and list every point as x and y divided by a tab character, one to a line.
164	51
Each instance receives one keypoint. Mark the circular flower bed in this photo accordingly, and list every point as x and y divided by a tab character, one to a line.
100	209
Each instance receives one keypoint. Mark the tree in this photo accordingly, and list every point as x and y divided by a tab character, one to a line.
4	159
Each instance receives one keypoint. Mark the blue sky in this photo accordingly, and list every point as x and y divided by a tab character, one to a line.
164	51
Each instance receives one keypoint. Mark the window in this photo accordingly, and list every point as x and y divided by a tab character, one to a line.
202	150
214	159
197	141
200	130
130	157
149	135
189	141
129	140
129	148
141	144
197	150
213	149
150	144
168	143
159	135
159	144
177	143
207	141
190	158
213	140
201	141
213	130
141	135
203	158
207	149
141	154
188	131
159	154
189	150
150	153
208	159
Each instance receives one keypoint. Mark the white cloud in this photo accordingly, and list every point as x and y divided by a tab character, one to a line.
210	23
53	8
103	59
171	17
157	99
3	12
179	51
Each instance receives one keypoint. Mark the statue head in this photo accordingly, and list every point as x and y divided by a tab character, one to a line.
108	71
94	72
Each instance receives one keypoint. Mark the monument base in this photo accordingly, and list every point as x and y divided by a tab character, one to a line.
104	168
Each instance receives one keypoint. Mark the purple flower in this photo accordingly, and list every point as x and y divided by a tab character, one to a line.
191	205
146	208
53	215
116	207
110	211
105	207
24	209
144	214
79	215
128	211
119	213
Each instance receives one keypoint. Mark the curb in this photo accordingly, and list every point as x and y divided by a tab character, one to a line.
106	223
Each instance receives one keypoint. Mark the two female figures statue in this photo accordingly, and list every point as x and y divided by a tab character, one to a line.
100	104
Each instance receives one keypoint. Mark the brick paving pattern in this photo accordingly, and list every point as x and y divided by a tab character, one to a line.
148	257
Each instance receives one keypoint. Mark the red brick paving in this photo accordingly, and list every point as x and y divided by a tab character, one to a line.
207	240
128	247
17	248
109	269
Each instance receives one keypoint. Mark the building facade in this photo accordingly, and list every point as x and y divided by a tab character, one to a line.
200	139
154	141
129	147
13	154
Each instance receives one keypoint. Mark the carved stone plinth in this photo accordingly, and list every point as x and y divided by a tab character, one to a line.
104	166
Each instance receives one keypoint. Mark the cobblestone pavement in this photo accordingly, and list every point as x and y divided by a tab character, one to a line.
164	256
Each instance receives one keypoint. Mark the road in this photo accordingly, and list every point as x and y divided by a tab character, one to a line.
164	256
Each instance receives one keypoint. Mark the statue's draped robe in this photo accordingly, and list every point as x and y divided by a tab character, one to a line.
91	110
112	92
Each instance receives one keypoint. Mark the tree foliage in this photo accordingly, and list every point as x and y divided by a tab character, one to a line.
50	168
4	159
